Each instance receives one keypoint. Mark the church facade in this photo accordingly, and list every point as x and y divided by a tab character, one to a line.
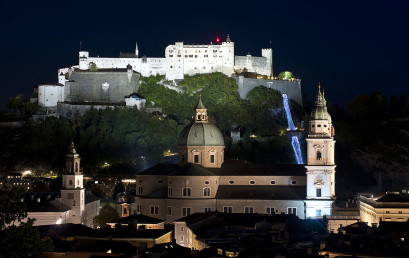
202	181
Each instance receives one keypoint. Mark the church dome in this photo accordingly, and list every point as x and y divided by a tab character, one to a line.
201	134
286	75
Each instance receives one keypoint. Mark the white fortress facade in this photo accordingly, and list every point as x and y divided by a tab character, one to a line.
181	59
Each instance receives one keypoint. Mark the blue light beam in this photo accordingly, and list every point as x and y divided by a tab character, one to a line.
294	139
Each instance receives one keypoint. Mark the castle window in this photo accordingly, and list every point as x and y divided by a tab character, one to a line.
252	182
318	192
292	210
186	211
319	155
228	209
273	182
231	182
140	189
186	191
170	191
270	210
211	158
206	192
154	209
196	158
248	209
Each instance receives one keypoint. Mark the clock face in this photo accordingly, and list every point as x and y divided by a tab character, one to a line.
70	196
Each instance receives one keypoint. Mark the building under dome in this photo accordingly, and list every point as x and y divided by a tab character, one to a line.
203	181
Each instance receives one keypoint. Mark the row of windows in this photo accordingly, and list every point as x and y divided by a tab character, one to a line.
252	182
186	211
318	125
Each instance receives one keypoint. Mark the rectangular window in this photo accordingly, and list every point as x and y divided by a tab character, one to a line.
318	213
154	210
138	208
248	209
182	238
196	158
207	209
318	192
292	210
186	191
211	158
182	229
186	212
227	209
169	210
183	158
270	210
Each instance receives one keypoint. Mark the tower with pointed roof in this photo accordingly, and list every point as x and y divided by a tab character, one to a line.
201	142
320	160
73	191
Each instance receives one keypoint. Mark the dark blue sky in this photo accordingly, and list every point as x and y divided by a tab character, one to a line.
352	47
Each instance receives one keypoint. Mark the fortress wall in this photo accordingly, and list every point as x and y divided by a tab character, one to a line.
291	88
70	110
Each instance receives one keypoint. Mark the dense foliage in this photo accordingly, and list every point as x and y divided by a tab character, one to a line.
106	214
22	240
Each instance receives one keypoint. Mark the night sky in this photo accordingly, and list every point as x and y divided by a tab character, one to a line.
352	47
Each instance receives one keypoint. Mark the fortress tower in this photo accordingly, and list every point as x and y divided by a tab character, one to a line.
73	192
320	161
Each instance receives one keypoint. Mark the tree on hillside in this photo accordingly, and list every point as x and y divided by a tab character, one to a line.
106	214
22	240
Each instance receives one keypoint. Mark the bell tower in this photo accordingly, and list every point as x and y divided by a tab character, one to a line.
320	160
73	192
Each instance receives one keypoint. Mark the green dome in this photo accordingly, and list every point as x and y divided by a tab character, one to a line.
320	111
286	75
201	134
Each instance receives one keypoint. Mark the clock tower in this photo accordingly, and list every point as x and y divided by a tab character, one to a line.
320	160
73	192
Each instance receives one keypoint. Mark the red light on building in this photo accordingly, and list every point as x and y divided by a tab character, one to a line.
217	39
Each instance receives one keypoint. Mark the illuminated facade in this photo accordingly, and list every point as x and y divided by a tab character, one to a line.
320	161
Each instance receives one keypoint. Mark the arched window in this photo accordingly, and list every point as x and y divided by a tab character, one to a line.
170	191
186	191
319	155
206	192
76	166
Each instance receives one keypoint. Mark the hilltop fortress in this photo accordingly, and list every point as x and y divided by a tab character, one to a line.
101	82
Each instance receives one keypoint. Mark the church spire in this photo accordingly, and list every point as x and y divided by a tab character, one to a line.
136	49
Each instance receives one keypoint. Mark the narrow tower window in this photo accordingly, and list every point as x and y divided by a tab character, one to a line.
319	155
